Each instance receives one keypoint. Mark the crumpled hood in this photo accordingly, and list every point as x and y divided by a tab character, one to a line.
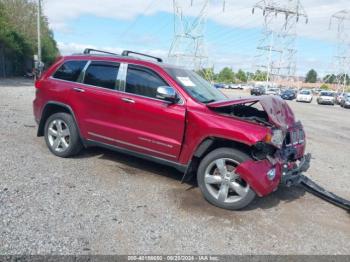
279	112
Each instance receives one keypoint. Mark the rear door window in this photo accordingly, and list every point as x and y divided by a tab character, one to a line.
102	74
142	81
70	70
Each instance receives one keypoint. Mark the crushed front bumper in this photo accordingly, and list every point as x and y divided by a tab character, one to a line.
291	174
287	174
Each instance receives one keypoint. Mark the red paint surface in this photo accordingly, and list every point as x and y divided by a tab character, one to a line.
149	126
254	172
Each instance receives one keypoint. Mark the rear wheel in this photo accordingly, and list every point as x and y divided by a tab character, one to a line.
62	136
220	184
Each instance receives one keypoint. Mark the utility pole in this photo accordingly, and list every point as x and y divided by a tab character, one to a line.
342	58
269	64
188	47
39	30
277	45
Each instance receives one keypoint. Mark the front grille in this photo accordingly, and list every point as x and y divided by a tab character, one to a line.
294	137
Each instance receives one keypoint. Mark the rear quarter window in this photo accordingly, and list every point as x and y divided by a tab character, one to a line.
70	70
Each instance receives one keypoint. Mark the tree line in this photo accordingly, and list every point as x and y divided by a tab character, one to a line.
227	75
18	37
312	77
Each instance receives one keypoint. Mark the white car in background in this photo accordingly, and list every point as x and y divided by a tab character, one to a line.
273	91
326	97
305	96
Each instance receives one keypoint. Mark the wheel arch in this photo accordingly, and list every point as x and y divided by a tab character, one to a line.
205	147
51	108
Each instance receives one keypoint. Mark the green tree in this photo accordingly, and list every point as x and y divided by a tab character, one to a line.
311	76
241	76
260	76
330	79
207	73
344	78
324	87
18	37
226	75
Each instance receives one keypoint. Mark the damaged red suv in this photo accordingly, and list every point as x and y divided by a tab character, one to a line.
237	148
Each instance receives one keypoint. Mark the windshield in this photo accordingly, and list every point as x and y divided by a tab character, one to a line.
305	92
195	86
326	94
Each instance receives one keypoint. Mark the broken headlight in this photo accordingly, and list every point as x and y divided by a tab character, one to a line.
276	138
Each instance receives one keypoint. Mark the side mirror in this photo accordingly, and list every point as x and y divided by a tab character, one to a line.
167	93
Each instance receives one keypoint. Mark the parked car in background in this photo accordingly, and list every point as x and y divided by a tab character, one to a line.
339	97
273	91
235	86
257	91
316	91
305	96
345	102
326	98
288	95
219	85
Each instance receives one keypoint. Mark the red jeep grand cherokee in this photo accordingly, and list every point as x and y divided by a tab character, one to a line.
238	148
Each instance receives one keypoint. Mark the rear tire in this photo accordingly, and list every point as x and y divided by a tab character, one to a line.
62	136
220	185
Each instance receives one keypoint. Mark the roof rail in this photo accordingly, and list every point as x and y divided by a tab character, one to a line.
127	52
88	51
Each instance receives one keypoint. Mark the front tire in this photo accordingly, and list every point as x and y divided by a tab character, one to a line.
219	183
62	136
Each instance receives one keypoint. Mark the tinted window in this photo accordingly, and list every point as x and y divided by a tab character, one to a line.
70	70
326	94
102	74
142	81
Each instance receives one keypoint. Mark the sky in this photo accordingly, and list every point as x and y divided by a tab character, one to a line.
231	35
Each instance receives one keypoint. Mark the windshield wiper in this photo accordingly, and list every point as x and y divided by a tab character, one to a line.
209	101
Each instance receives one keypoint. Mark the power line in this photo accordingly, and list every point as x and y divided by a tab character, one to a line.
276	52
128	29
342	58
188	47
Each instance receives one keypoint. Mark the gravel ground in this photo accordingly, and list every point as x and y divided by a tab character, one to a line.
106	203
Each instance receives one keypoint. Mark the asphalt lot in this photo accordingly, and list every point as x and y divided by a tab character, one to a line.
101	202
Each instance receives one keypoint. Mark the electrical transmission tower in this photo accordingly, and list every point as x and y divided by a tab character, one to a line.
188	47
276	52
341	61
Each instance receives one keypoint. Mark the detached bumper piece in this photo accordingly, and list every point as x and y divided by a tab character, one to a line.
291	177
316	190
294	177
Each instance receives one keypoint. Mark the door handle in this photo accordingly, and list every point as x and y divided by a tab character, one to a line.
128	100
80	90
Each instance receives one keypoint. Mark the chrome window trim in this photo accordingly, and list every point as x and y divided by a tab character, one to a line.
82	73
123	81
122	76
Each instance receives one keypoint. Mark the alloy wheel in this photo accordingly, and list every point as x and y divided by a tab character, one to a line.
223	183
59	135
